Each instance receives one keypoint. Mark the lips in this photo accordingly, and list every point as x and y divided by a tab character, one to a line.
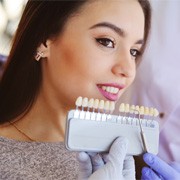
110	91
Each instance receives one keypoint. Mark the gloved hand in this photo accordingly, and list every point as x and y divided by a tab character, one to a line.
158	169
113	166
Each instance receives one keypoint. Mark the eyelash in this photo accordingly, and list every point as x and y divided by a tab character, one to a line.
138	53
105	42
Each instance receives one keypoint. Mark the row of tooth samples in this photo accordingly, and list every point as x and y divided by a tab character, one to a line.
95	104
126	108
101	110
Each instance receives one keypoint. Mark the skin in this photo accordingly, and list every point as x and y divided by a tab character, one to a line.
78	60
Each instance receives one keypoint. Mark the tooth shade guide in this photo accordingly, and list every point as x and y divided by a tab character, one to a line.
125	128
126	121
107	107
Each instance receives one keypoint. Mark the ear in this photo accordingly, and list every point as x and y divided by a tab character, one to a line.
44	49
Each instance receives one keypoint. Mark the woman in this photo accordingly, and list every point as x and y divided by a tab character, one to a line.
61	50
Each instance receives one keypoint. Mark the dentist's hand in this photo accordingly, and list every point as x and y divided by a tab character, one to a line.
115	165
158	169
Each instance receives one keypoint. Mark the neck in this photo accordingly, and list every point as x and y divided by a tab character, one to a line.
44	122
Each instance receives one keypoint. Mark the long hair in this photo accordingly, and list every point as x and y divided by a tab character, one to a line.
22	77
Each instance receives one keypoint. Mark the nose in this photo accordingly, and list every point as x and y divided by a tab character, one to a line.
124	65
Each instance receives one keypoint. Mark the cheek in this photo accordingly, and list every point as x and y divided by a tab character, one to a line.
82	61
74	69
131	79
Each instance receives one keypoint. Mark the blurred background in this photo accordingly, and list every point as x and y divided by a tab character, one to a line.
10	12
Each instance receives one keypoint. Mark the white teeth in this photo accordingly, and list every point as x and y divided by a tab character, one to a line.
110	89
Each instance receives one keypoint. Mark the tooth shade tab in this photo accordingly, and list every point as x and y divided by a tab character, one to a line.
141	110
122	107
112	106
106	105
146	111
132	108
79	101
151	111
156	112
136	109
101	104
85	102
96	103
90	103
127	108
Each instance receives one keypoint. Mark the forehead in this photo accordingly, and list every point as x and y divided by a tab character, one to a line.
126	14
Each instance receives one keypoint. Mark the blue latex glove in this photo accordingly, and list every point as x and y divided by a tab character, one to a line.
158	169
112	166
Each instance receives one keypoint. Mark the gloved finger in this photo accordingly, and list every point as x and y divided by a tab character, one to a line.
129	168
129	162
149	174
117	152
161	167
175	165
97	162
85	166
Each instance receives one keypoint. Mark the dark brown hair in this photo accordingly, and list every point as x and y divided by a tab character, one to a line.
22	77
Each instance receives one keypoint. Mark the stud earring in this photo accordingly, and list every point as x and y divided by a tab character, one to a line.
38	55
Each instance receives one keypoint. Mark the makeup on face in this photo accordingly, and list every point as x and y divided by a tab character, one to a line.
97	59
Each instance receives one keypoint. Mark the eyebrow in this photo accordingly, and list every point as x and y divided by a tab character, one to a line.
116	29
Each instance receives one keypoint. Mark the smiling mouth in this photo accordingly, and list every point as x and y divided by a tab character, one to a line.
110	91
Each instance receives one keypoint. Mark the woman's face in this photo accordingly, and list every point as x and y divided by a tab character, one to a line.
95	56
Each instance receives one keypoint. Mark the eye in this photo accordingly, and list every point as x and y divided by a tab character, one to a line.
135	53
106	42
